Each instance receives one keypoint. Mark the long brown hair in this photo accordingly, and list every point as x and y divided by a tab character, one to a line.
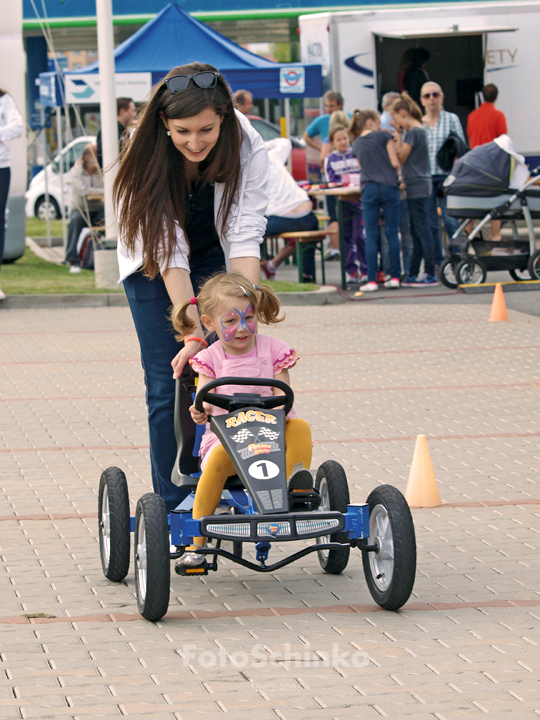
405	102
359	121
150	187
264	301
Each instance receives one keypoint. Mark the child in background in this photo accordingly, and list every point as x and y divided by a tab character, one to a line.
375	151
230	305
342	167
412	152
338	117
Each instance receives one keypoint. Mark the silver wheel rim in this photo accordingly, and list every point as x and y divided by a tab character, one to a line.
140	559
471	274
324	507
106	525
448	272
382	561
46	210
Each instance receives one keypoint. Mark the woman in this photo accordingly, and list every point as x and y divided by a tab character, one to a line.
11	127
86	180
191	198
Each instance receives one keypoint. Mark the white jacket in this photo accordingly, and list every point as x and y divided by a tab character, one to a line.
246	223
284	195
11	127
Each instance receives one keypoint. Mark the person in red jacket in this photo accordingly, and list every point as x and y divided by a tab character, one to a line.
484	125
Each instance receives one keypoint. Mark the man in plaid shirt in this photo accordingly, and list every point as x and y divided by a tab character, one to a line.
438	123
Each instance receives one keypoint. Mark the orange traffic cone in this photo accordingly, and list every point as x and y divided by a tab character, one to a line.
498	306
422	489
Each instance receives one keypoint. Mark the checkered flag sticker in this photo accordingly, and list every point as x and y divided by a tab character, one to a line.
242	435
267	433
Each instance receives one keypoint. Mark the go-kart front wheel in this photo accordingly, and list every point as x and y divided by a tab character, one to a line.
113	523
391	570
152	557
331	482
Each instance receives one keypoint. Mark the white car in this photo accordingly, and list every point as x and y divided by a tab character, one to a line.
36	202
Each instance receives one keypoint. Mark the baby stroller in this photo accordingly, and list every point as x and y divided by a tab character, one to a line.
491	182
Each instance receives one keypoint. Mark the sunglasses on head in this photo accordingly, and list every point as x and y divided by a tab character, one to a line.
205	80
432	94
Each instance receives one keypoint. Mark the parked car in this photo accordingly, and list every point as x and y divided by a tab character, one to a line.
269	131
36	201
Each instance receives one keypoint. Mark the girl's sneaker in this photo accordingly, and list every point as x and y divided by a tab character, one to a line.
369	287
393	283
269	269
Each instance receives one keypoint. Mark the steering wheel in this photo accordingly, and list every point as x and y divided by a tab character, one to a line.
226	401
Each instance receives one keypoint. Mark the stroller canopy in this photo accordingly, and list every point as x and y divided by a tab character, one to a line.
488	170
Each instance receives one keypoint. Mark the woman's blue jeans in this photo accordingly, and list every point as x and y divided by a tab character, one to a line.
150	304
374	198
5	176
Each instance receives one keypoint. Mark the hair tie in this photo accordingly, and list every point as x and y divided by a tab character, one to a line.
256	287
193	301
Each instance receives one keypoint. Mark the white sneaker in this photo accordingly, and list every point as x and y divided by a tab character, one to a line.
369	287
392	283
74	269
3	295
190	559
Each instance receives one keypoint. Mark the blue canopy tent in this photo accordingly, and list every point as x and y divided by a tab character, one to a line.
175	38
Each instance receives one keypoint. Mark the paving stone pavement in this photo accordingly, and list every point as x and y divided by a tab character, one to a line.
297	644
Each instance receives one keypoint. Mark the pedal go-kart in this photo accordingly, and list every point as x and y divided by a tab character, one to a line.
258	506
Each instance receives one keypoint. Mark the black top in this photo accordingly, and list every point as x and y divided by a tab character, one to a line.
121	140
375	165
199	224
415	171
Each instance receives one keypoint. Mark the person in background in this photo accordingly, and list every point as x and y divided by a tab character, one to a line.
320	127
338	117
11	127
484	125
438	123
289	210
126	112
86	179
412	154
243	101
375	150
341	166
416	74
404	65
386	119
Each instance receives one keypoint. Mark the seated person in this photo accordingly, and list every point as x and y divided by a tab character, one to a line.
289	210
86	179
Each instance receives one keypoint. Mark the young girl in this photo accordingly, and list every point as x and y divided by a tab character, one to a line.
338	167
231	306
377	156
412	152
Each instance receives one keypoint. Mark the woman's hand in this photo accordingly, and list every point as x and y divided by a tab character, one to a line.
179	361
201	418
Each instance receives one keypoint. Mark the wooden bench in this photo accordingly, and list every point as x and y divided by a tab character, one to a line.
303	237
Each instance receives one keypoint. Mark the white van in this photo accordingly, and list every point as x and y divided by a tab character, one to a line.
470	44
36	201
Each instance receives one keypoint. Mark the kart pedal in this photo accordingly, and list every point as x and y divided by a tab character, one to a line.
301	480
196	570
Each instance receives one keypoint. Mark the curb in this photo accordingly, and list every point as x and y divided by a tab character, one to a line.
326	295
509	286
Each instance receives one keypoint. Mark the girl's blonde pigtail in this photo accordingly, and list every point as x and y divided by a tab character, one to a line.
268	306
181	321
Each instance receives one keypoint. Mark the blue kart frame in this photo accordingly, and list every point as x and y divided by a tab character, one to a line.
258	506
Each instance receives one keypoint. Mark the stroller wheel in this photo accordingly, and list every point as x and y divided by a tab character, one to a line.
534	265
471	272
519	275
446	274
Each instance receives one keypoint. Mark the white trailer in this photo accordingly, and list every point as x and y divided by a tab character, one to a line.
471	44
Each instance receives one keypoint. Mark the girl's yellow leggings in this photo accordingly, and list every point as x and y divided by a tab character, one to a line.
219	467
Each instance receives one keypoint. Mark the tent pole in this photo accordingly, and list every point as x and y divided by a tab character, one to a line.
109	126
267	109
60	147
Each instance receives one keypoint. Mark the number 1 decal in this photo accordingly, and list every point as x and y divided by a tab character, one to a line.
263	470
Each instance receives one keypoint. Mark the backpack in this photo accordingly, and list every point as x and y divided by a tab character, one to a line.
453	147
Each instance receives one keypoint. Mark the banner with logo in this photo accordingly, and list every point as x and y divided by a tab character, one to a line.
292	80
83	88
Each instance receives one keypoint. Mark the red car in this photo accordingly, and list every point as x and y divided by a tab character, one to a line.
269	131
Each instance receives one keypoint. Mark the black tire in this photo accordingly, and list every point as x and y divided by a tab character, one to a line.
152	557
390	572
520	275
446	274
114	528
331	482
471	272
534	265
40	208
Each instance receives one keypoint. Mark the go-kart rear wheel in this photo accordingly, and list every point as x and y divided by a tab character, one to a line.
471	272
520	275
331	482
390	571
446	274
534	265
152	557
113	518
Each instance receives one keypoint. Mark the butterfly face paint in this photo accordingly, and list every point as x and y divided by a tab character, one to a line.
234	319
